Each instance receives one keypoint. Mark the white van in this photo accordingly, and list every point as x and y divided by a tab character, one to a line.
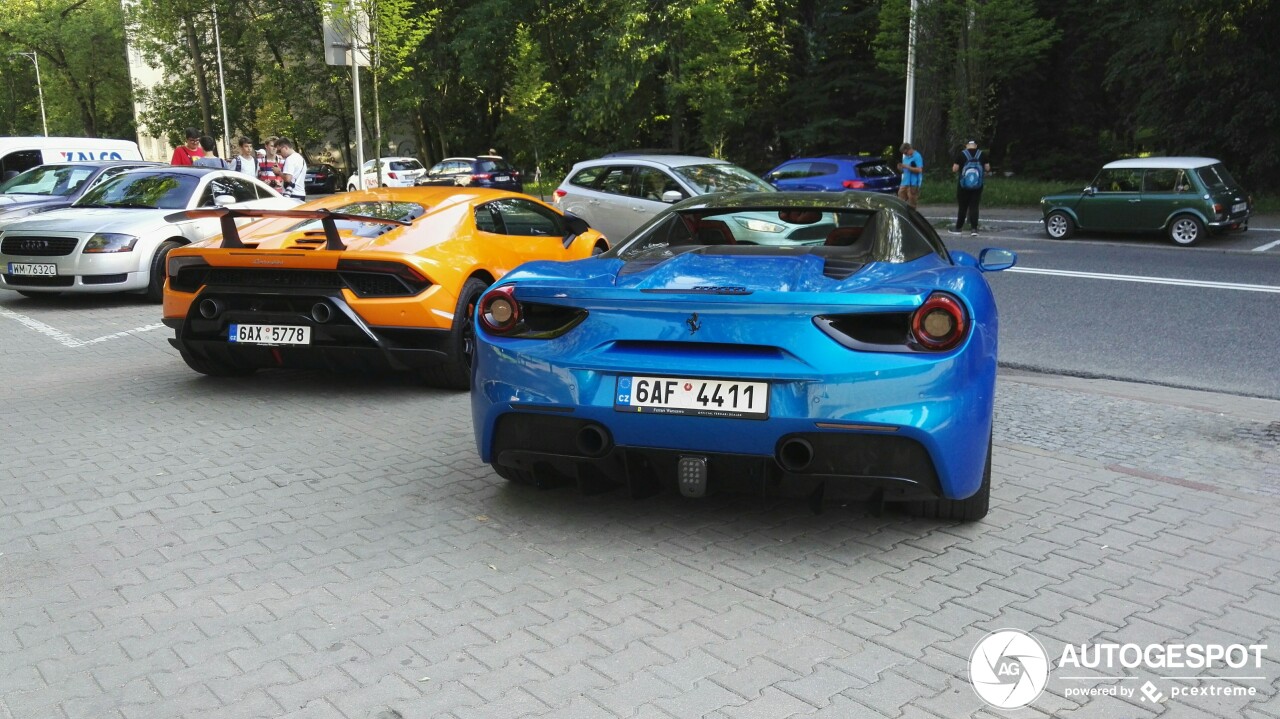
19	154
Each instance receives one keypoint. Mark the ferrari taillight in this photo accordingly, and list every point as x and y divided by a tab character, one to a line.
853	184
499	311
940	323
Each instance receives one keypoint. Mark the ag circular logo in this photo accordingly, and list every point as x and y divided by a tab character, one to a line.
1008	669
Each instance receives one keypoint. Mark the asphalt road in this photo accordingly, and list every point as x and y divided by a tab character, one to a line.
1137	308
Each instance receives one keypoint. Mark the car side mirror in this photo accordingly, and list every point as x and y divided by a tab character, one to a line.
224	200
1089	190
994	259
574	224
671	196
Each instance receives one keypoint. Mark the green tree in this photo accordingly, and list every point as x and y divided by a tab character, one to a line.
83	66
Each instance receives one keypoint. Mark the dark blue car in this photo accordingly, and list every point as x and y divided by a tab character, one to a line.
835	173
847	355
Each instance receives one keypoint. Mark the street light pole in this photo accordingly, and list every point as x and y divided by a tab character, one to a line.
222	85
44	123
909	106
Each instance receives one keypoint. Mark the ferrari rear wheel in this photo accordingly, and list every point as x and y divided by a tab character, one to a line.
214	368
455	373
970	509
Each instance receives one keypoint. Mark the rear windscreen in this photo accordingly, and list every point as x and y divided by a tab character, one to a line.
493	166
405	165
1216	177
864	235
875	169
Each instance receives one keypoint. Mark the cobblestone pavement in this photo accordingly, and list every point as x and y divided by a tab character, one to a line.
299	545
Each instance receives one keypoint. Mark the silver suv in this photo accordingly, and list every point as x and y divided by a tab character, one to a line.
621	191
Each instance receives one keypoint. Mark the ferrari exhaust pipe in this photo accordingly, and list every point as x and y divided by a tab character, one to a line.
795	454
592	440
210	308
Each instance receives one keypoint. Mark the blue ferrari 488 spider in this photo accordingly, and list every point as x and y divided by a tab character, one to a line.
820	345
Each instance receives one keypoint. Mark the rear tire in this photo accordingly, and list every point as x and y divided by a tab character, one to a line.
970	509
455	373
213	368
1186	230
160	270
1059	225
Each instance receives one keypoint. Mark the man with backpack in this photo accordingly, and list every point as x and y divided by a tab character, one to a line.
971	167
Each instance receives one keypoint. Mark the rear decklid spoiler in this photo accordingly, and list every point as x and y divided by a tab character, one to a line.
231	233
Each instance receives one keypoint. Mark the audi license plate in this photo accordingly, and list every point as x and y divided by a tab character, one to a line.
33	270
1239	207
269	334
700	397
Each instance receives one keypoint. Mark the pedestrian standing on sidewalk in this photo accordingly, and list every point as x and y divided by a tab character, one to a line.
210	158
269	166
971	167
187	153
294	171
912	169
245	163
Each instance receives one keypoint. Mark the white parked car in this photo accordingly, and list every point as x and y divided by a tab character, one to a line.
116	236
396	172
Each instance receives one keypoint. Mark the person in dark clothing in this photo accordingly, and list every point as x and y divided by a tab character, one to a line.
971	168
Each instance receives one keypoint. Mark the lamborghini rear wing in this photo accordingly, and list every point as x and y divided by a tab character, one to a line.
231	233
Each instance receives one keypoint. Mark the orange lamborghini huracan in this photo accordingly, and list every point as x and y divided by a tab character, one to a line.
382	279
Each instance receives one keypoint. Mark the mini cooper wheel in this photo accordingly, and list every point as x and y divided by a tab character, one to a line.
969	509
1186	230
214	368
159	270
455	372
1059	225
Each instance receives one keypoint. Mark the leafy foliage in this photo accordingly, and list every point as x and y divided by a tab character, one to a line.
1051	87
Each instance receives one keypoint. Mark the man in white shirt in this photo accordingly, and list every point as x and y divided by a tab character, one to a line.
245	162
294	171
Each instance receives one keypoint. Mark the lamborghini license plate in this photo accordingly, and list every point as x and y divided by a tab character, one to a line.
701	397
269	334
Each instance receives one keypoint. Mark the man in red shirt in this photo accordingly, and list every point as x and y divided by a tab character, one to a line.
186	154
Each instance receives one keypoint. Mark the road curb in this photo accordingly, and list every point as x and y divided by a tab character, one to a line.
1257	409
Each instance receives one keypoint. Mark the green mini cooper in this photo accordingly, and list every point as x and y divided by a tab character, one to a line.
1183	197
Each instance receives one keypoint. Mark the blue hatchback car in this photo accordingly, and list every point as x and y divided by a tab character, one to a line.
855	359
835	173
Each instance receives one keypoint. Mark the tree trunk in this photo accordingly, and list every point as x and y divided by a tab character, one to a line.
202	83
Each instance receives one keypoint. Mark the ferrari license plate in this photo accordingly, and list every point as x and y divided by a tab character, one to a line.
700	397
1239	207
32	269
269	334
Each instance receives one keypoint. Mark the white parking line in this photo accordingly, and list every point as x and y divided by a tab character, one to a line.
1264	248
65	339
1149	280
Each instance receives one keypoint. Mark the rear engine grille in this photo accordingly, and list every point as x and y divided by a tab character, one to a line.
364	284
42	281
39	246
841	268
